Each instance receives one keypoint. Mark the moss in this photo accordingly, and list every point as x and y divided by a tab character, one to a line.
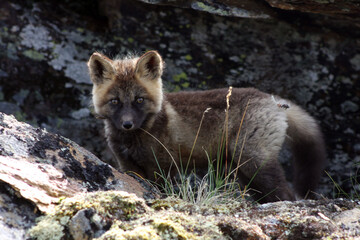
180	76
20	116
146	232
185	84
34	55
110	205
169	229
211	9
117	38
80	30
176	89
188	57
47	229
59	122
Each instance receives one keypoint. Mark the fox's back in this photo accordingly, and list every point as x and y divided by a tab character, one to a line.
192	104
189	108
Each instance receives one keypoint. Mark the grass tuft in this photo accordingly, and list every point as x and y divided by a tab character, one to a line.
219	183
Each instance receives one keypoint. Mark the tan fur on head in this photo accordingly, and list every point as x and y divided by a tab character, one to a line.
149	66
100	68
148	71
144	71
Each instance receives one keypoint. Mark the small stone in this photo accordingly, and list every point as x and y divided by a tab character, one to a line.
80	226
349	106
80	114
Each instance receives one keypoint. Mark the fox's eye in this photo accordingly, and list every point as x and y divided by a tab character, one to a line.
114	101
139	100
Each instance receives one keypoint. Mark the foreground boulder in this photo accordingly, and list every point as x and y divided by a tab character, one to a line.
119	215
51	188
38	168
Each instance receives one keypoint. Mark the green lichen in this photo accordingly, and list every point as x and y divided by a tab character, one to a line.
80	30
176	88
34	55
188	57
117	38
169	229
47	229
165	225
180	76
130	218
112	205
202	85
59	122
130	40
20	116
210	9
105	203
185	84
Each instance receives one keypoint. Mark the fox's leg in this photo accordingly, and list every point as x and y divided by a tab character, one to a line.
264	132
267	180
123	159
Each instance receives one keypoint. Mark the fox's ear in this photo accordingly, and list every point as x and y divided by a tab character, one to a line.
100	68
150	66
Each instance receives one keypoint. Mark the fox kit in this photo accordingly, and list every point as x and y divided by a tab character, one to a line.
140	120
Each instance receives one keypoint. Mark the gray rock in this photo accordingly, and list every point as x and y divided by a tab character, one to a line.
80	225
349	107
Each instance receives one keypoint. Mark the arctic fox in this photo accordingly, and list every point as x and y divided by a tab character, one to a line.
142	121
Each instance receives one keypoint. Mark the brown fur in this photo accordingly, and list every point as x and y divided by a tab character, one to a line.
174	118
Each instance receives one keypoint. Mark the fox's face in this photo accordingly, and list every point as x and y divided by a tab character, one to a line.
127	91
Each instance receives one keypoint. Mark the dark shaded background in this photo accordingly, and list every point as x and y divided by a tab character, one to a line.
311	56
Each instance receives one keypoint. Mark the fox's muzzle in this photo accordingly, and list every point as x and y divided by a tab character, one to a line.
127	125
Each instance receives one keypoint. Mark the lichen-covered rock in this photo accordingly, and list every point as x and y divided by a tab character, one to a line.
87	216
125	216
266	9
42	167
17	214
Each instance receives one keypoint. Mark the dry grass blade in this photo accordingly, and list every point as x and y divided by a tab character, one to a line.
196	137
227	129
167	150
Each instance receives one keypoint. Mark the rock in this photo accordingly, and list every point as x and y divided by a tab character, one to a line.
328	7
43	167
17	214
79	225
38	168
86	216
244	8
128	217
260	9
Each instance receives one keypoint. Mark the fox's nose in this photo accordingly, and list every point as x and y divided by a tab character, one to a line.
127	125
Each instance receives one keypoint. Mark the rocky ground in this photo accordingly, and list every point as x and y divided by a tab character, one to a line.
51	188
307	51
